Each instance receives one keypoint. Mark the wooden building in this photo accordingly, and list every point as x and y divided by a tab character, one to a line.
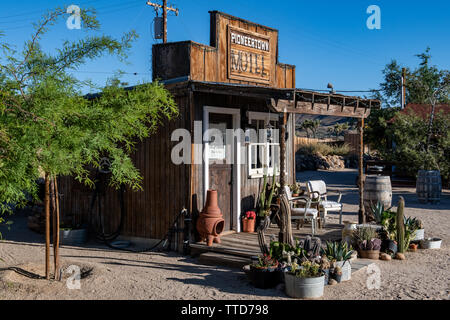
234	83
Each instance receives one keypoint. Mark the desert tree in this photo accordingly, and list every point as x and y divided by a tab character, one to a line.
48	128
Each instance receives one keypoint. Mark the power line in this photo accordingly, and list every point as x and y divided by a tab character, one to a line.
109	72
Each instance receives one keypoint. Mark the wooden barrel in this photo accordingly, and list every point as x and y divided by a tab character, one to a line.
377	188
429	186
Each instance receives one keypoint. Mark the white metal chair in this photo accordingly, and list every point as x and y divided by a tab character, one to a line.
317	190
306	213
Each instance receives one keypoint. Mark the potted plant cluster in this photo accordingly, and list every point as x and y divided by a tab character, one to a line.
305	280
367	241
248	221
339	254
265	273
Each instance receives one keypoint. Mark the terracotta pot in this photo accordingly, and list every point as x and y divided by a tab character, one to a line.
370	254
413	247
248	225
210	222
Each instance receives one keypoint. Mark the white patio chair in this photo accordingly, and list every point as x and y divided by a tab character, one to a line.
305	213
317	190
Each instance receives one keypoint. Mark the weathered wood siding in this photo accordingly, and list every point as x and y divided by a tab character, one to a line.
166	188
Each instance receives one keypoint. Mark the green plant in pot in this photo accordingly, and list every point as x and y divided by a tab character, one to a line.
264	273
340	252
415	225
295	189
367	241
305	280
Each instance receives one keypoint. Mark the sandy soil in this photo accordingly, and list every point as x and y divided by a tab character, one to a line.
122	275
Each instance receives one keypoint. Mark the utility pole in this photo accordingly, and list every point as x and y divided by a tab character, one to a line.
403	88
164	8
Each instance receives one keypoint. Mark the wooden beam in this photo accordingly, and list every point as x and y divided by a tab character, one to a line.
361	213
303	107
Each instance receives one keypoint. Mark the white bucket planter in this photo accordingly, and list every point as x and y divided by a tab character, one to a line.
419	235
431	243
305	288
346	270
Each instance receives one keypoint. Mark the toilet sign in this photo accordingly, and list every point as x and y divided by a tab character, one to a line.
249	55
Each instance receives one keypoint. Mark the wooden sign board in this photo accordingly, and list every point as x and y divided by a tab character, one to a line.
249	56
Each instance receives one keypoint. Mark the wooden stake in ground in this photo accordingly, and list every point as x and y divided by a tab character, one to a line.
47	226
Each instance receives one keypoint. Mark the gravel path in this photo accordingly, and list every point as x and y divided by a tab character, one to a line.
121	275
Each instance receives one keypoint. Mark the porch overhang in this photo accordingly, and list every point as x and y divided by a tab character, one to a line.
296	101
307	102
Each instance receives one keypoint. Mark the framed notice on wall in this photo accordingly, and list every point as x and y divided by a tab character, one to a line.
249	56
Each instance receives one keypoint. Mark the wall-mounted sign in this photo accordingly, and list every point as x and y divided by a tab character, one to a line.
249	56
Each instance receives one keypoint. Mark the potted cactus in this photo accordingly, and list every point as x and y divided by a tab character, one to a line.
305	280
337	274
325	268
414	223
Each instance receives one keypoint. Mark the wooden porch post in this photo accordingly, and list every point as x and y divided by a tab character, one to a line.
285	234
361	213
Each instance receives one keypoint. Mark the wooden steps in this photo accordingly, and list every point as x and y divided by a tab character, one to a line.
227	260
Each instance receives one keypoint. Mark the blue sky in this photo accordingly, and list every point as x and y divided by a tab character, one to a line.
328	41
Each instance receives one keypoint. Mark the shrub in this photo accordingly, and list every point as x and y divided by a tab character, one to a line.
324	149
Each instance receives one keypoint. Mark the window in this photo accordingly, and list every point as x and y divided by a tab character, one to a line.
261	156
263	147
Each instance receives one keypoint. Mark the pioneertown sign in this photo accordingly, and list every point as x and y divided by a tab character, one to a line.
240	52
249	56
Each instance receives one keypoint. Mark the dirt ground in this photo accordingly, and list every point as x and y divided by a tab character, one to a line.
111	274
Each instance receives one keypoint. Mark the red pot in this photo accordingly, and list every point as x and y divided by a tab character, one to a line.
248	225
210	223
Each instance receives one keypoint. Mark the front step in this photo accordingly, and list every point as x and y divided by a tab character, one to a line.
199	248
219	259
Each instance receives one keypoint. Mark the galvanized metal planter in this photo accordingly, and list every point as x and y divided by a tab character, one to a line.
305	288
431	243
419	235
346	269
73	237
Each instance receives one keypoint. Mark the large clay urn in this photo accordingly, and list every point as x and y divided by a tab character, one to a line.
210	223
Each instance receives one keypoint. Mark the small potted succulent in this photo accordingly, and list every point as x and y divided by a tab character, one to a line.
264	273
414	223
337	274
305	280
295	189
248	221
325	268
